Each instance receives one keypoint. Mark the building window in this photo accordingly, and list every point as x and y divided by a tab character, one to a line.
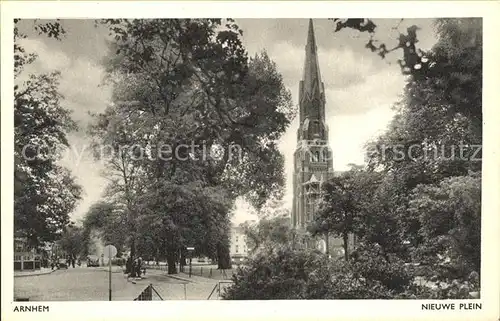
236	248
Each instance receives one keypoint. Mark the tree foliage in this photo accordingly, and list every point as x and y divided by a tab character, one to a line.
448	77
450	218
288	273
104	222
44	192
72	241
268	233
427	204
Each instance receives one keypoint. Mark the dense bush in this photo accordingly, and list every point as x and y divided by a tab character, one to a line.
287	273
273	275
389	270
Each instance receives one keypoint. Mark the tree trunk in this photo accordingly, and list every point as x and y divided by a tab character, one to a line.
223	257
345	238
132	247
171	255
183	258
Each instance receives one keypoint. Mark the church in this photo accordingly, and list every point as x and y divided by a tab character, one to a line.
313	157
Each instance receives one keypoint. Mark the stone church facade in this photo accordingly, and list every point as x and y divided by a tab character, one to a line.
313	158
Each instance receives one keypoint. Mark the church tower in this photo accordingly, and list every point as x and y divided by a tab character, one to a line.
313	156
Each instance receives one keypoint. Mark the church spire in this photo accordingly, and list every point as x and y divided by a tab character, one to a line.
311	91
312	85
311	40
313	163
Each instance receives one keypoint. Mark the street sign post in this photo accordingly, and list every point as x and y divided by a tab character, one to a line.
110	252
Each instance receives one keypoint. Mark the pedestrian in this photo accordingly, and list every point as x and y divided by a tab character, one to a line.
139	267
73	261
128	265
136	268
133	272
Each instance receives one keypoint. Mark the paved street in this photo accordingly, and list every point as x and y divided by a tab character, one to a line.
91	284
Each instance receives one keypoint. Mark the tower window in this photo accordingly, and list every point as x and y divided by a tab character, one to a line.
315	156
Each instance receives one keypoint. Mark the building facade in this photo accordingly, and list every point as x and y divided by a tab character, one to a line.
25	257
238	247
313	158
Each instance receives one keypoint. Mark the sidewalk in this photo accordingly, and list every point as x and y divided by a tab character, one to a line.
42	271
169	287
200	288
180	286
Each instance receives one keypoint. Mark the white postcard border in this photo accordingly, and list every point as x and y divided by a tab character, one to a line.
248	310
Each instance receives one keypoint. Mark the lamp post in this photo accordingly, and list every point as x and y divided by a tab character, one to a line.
109	252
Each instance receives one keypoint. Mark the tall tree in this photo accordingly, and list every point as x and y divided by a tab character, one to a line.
106	221
114	134
193	85
45	193
347	200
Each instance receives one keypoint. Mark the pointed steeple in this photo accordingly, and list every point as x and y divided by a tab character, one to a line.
312	86
311	40
311	91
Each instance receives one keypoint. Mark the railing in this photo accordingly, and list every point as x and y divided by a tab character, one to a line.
217	287
197	270
207	272
147	294
27	261
161	267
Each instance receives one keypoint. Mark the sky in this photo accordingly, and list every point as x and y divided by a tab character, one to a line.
360	87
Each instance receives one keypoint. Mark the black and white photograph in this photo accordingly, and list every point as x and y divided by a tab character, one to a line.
159	159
